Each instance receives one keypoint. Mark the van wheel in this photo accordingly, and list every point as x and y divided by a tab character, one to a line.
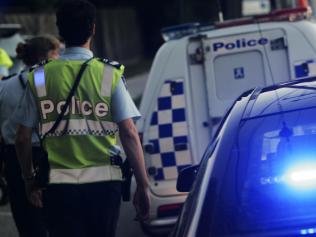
4	198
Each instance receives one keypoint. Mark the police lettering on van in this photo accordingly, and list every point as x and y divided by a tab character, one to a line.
78	107
238	44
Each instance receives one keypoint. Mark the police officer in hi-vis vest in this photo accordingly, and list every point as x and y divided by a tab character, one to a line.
28	219
84	192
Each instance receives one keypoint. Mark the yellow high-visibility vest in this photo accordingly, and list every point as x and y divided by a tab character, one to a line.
5	60
78	151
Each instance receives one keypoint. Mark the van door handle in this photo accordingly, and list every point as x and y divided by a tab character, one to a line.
181	146
149	148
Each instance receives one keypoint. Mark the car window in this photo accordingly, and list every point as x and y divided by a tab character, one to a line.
270	179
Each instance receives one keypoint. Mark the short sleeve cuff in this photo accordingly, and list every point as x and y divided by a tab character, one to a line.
123	107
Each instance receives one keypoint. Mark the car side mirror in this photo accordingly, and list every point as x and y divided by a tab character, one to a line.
186	178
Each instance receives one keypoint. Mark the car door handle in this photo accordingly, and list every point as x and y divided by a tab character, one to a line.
181	146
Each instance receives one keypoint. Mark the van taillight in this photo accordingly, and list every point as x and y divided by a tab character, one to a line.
302	3
169	210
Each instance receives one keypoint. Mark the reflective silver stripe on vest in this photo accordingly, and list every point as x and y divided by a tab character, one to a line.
39	81
107	81
81	127
85	175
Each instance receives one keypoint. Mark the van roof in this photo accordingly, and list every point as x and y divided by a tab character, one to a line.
189	29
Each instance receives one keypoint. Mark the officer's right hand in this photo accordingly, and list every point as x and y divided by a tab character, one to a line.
34	194
141	202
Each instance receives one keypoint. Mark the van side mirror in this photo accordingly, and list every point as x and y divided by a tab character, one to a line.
186	178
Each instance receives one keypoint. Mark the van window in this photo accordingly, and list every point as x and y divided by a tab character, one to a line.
235	73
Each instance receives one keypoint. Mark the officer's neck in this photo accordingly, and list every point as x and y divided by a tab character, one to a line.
86	45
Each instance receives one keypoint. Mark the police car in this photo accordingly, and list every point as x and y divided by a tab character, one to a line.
195	77
258	175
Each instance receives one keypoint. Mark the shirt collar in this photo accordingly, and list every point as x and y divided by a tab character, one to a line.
76	53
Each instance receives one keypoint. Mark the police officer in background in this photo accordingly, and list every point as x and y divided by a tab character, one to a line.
84	194
28	219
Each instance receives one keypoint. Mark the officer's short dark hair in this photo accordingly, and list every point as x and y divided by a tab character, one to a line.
75	21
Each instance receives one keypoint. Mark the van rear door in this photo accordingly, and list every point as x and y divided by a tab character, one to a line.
176	131
166	135
236	63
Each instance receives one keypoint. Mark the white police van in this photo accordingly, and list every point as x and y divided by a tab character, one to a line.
197	74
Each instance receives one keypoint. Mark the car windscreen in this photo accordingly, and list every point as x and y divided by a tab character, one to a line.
269	183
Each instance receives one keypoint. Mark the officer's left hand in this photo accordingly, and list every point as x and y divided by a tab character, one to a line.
34	194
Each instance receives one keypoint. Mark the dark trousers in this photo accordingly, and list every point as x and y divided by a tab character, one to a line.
28	219
82	210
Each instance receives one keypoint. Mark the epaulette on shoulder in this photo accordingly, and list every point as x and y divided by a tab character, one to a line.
44	62
111	63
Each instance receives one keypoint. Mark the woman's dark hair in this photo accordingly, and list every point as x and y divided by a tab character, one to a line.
75	21
35	50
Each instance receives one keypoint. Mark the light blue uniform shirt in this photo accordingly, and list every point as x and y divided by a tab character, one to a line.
123	107
11	91
3	71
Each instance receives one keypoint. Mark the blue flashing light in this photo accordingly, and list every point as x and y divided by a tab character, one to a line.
302	176
178	31
309	231
304	232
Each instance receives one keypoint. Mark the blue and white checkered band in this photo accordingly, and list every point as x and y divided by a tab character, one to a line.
168	132
306	68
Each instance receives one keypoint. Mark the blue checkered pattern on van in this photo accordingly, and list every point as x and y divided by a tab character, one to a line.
168	130
305	68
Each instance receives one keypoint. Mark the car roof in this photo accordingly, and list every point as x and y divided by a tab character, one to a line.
291	96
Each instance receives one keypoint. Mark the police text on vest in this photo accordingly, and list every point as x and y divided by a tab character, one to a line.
77	107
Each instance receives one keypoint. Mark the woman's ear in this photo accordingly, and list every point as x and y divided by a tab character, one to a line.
53	54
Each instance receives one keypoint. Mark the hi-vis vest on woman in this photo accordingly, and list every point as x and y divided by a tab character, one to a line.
78	151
